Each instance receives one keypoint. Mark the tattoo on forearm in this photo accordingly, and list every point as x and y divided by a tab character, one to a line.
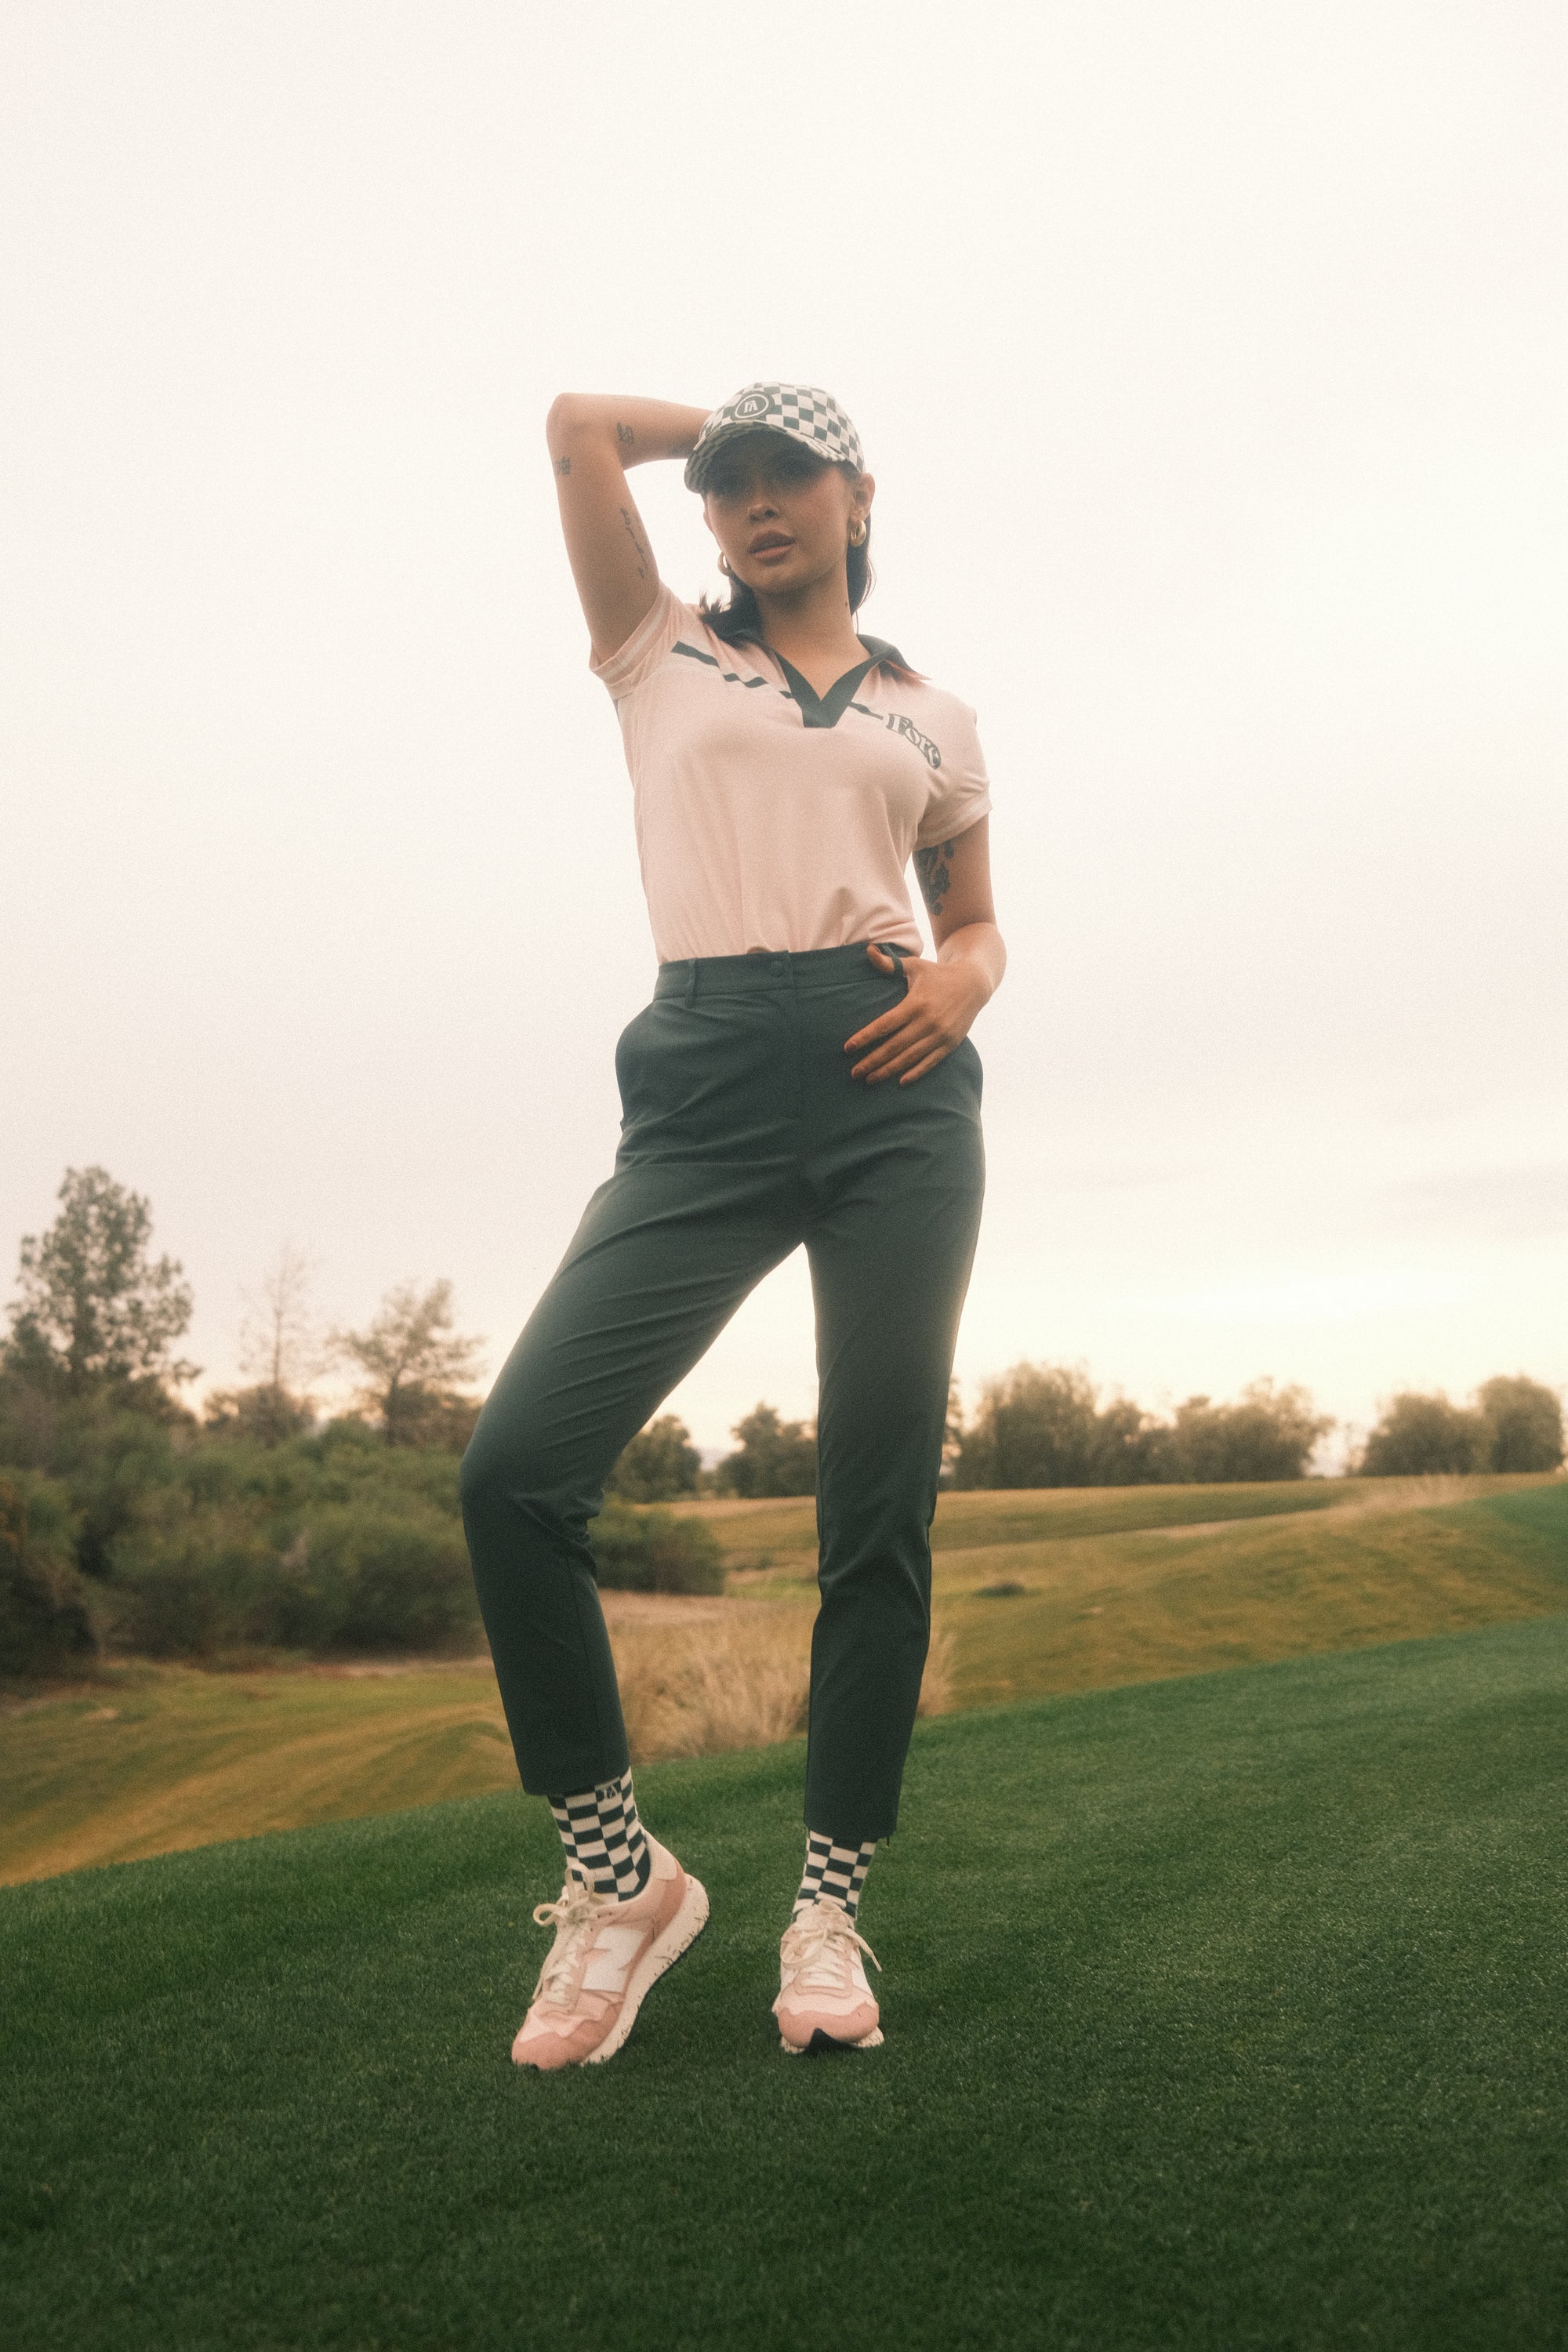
624	435
935	875
645	561
563	465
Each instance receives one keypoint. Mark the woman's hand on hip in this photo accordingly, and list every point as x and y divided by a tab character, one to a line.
935	1015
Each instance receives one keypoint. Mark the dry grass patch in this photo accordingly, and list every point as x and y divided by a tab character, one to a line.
726	1675
700	1688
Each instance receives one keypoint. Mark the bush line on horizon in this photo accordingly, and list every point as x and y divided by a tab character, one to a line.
125	1523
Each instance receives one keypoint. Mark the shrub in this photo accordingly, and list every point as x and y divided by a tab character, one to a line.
181	1574
268	1413
48	1616
363	1574
390	1580
654	1551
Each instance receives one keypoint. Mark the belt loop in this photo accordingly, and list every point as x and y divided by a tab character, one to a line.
898	954
691	983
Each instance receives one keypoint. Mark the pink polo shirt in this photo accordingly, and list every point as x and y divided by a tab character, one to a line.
768	817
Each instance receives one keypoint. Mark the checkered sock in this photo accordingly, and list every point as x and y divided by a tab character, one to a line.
837	1870
605	1848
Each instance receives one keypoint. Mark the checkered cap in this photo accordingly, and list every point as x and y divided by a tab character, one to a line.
804	410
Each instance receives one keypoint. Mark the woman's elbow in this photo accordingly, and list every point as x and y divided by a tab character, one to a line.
566	418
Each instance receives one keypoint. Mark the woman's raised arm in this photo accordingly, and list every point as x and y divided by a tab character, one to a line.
593	437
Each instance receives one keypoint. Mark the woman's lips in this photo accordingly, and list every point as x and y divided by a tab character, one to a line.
770	547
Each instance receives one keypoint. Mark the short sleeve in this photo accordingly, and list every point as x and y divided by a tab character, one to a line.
633	663
961	793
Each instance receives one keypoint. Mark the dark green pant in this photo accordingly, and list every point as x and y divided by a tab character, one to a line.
743	1135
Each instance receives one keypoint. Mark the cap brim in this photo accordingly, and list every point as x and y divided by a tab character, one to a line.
701	457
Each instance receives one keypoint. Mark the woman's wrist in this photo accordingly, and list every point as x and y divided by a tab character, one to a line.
978	951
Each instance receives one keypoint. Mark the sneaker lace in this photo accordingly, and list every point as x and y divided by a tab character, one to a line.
575	1915
817	1945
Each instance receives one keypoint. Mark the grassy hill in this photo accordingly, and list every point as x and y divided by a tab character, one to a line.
1068	1590
1229	2012
1080	1588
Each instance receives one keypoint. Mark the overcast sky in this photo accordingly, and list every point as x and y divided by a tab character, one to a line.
1211	360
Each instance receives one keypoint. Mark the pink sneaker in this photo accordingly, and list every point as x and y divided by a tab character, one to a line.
604	1957
825	2001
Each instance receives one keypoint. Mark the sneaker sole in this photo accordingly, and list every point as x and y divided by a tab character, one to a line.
820	2043
663	1952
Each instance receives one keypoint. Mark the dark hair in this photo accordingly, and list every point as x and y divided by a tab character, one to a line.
741	616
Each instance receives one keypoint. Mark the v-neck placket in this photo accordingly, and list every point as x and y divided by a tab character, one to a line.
828	710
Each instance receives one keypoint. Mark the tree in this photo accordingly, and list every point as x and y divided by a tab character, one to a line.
1524	1424
410	1358
282	1344
1268	1433
1421	1436
776	1457
283	1349
94	1306
659	1464
1042	1425
1036	1426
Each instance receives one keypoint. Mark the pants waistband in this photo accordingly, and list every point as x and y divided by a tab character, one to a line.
785	969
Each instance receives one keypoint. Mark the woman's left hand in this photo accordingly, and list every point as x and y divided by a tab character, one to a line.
934	1016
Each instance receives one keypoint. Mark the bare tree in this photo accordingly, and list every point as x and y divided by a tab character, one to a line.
410	1361
282	1344
283	1349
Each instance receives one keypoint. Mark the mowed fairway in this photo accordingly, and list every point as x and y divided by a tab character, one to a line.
1230	2012
1076	1589
1034	1593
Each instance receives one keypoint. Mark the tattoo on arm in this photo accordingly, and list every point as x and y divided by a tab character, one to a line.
935	875
645	561
563	465
624	435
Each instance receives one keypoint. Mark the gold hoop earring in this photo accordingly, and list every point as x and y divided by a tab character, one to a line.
725	569
857	538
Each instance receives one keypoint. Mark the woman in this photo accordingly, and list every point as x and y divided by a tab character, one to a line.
803	1074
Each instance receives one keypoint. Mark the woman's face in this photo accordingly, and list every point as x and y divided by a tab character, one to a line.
782	517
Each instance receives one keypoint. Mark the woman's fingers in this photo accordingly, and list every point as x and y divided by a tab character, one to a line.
883	961
884	1026
921	1056
883	1038
914	1035
909	1076
920	1044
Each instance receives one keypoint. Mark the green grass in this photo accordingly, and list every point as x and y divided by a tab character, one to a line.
1228	2012
1146	1603
768	1529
